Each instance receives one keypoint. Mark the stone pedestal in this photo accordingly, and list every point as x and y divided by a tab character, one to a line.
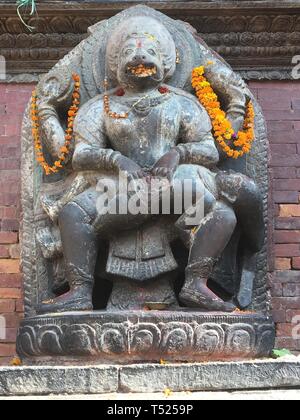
146	378
136	336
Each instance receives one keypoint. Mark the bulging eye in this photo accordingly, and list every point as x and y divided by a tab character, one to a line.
128	51
151	51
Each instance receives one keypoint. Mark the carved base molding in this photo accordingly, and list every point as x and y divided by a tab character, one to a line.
135	336
259	38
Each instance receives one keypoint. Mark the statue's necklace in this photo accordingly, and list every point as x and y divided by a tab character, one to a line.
124	115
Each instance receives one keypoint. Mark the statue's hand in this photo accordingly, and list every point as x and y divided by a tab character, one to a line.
166	165
237	121
130	169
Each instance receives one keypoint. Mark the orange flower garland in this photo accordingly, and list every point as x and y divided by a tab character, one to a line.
65	150
222	127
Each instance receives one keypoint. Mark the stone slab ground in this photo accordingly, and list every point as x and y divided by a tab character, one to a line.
270	395
151	378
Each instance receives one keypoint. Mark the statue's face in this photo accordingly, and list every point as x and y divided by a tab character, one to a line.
140	63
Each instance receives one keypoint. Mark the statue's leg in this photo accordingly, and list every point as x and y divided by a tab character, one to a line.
81	228
80	246
244	196
207	241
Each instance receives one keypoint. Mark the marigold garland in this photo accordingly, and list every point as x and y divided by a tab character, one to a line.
64	150
222	127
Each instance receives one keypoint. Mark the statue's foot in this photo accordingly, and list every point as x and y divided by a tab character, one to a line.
201	297
79	299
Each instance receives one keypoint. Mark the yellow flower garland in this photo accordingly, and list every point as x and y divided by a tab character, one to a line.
64	150
222	127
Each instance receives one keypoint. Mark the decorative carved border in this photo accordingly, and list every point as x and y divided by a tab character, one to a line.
259	38
109	336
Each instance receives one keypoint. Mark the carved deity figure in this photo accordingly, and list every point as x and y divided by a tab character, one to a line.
148	127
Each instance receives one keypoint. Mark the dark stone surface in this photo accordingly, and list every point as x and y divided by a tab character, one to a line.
125	337
145	378
66	241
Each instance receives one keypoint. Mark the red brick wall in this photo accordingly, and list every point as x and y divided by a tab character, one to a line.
281	104
13	99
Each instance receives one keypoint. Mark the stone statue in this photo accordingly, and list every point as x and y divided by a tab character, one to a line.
140	119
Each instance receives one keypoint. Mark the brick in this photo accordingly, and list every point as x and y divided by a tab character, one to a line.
286	276
276	290
9	150
10	280
296	263
11	335
7	305
285	115
5	361
287	223
287	250
287	343
8	238
291	290
281	172
13	224
9	164
12	320
296	104
10	293
288	197
289	210
9	199
284	330
287	236
284	149
280	138
279	316
277	90
19	305
269	104
283	263
8	212
9	266
291	314
7	349
281	127
4	252
9	186
14	251
286	161
286	184
282	303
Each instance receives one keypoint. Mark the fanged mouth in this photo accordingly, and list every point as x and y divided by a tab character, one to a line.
142	71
